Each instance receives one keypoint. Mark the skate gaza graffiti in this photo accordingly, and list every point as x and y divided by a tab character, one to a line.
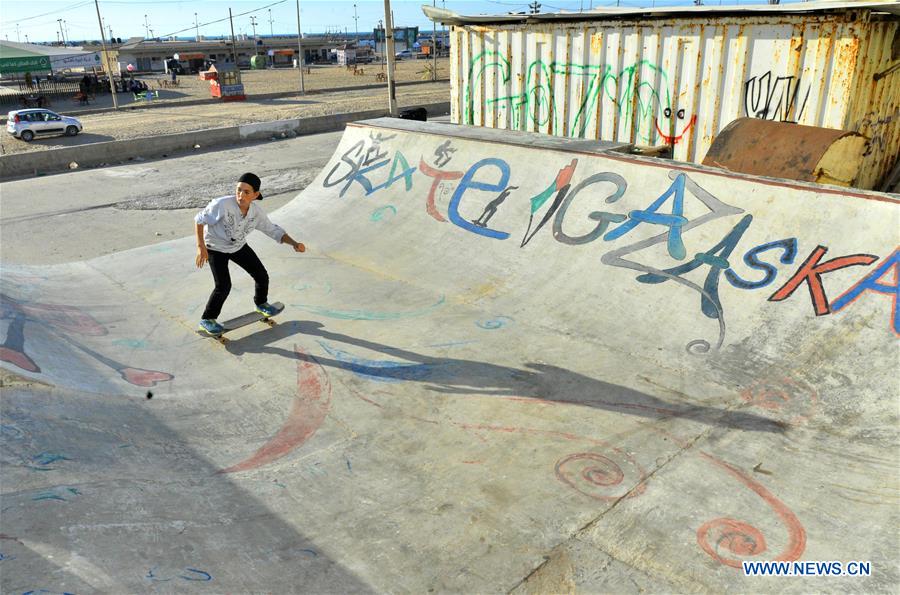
667	212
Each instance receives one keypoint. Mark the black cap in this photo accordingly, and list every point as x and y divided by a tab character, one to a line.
253	180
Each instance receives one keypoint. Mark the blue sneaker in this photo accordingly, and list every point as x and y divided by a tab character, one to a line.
267	309
211	326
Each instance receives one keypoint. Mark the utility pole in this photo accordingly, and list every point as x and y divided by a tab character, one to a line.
389	43
26	38
356	20
271	28
300	51
535	7
20	40
112	83
146	27
61	34
434	46
233	42
196	28
383	44
253	24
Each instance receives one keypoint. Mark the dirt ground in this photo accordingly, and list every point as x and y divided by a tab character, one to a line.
170	114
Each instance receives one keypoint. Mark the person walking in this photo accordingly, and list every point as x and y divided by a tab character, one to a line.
222	228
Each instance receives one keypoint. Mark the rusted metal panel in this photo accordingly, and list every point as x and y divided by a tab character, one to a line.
790	151
680	79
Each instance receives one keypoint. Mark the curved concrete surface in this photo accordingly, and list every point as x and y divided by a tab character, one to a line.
504	364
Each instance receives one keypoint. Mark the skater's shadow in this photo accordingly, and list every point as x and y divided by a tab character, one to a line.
468	377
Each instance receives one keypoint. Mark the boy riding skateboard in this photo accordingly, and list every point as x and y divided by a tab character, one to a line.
228	220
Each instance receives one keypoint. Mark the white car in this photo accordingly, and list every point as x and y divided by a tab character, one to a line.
29	123
405	54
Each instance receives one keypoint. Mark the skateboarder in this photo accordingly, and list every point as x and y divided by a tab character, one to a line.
228	221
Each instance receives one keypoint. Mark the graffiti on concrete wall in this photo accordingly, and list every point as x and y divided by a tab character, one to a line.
639	96
62	321
484	189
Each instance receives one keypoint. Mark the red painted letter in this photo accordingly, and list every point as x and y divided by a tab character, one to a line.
811	272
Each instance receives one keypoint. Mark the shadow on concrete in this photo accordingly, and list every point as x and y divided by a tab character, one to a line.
137	508
468	377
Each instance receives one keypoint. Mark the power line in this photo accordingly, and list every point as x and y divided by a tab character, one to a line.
55	12
226	18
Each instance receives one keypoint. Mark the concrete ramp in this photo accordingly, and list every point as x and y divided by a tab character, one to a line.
506	363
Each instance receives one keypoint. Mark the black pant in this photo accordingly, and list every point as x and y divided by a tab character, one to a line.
245	258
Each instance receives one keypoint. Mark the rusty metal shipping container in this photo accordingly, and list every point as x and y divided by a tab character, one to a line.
679	75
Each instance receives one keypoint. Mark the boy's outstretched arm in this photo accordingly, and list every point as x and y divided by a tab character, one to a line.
202	254
298	246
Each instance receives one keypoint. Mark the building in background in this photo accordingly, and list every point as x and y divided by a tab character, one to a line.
404	39
150	55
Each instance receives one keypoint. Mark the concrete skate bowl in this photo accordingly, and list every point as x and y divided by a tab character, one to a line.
506	363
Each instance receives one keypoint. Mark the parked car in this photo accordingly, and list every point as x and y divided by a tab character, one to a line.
403	54
29	123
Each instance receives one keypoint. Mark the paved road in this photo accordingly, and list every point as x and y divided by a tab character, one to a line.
173	118
82	214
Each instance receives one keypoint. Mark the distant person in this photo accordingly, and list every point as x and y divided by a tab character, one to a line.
228	221
174	77
28	80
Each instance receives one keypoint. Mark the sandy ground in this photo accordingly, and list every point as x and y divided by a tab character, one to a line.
168	114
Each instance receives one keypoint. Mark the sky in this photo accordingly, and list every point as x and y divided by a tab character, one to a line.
38	20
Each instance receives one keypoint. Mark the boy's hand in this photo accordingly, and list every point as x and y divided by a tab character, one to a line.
202	256
299	247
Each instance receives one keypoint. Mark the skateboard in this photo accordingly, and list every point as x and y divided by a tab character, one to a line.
243	320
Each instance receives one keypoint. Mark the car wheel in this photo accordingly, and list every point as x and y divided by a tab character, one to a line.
27	136
71	130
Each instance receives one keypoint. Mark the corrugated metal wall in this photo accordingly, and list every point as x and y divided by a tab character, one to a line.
681	80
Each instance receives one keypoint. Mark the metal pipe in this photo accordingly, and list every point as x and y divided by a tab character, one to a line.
233	41
300	52
389	42
434	46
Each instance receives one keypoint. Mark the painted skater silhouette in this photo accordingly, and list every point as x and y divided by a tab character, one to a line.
491	207
443	154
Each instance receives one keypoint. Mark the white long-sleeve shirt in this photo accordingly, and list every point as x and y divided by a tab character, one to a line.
227	228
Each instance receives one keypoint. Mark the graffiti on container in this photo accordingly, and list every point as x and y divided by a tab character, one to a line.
779	98
638	95
486	185
877	127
